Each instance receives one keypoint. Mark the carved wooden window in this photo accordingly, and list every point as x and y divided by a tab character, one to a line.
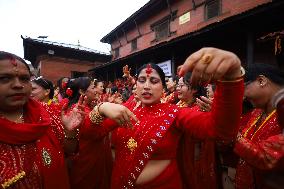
162	30
134	44
212	9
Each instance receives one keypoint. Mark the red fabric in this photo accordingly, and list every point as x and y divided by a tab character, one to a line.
255	157
54	111
280	113
32	147
196	153
154	122
131	102
160	129
91	167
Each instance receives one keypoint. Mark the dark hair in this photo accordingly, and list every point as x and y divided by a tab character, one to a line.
158	70
6	55
273	73
75	85
97	81
200	90
46	84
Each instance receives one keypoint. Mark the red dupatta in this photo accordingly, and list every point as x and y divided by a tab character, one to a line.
154	123
31	147
92	166
253	139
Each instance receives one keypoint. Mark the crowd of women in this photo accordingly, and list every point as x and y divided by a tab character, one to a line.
193	131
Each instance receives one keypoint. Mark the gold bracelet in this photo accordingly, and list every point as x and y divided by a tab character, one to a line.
243	72
95	115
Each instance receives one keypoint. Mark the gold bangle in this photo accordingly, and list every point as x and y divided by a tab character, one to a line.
95	116
243	72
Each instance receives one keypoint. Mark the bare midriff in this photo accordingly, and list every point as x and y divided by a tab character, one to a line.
153	169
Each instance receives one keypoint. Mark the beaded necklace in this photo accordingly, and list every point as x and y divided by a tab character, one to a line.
262	124
182	104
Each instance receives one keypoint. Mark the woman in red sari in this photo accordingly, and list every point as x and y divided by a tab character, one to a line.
91	166
255	137
146	156
31	154
198	156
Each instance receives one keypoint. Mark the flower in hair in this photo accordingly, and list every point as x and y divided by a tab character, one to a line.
64	85
69	92
149	70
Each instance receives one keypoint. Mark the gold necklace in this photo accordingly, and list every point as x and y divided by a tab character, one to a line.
20	119
262	124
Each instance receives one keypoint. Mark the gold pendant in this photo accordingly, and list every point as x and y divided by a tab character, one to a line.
131	144
46	157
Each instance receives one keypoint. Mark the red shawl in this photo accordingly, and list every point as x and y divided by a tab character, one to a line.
92	166
155	121
32	148
253	151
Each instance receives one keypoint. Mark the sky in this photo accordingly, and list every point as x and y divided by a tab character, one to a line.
66	21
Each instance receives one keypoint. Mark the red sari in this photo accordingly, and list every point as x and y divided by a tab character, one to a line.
91	167
254	152
31	148
159	132
199	158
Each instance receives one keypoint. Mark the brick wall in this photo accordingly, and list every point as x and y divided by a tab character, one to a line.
55	68
229	8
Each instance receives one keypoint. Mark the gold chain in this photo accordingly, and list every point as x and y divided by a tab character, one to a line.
262	124
20	119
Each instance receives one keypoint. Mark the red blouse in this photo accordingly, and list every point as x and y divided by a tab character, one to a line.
158	133
252	149
31	155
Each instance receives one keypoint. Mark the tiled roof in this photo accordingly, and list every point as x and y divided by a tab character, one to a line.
65	45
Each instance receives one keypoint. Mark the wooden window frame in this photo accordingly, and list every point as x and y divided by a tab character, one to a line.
134	45
209	3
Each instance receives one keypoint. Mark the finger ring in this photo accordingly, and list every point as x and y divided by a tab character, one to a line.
206	58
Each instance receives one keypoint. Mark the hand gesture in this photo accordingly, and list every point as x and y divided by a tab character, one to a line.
204	103
118	113
210	64
118	100
75	117
126	71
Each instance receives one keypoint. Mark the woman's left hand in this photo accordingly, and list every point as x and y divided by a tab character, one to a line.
76	116
204	103
211	64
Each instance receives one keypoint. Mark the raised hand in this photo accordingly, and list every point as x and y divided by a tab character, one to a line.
210	64
126	71
118	113
204	103
76	116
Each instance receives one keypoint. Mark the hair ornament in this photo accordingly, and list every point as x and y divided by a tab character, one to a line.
69	92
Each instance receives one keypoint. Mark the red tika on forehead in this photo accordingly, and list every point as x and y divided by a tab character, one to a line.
13	61
149	70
